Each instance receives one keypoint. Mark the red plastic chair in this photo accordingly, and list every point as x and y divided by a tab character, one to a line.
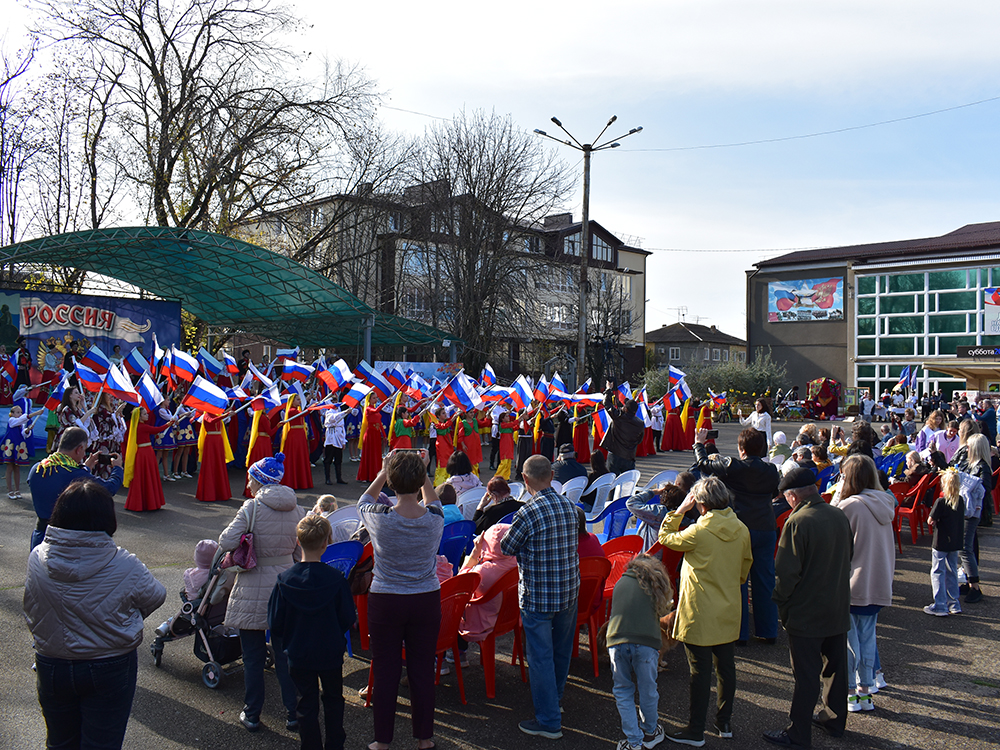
897	528
672	560
916	514
455	594
508	619
594	572
361	603
780	525
996	492
620	552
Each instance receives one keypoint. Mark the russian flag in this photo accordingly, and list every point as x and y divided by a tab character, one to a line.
149	393
166	365
117	383
286	354
416	387
395	376
356	395
913	377
185	366
158	354
206	397
230	364
557	382
212	366
586	399
88	378
675	375
134	363
55	397
252	368
520	393
236	394
602	423
96	360
382	387
247	380
719	399
488	376
292	370
541	392
496	393
585	388
335	376
268	399
677	396
461	392
8	370
624	392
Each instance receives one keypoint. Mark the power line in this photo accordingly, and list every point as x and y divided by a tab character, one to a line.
746	250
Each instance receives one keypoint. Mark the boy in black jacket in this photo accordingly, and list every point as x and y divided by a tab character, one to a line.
310	610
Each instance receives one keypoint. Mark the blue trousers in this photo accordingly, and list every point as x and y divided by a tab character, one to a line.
761	585
86	704
862	654
549	639
634	667
254	644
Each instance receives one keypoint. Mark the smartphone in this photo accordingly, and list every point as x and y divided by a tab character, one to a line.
711	434
103	458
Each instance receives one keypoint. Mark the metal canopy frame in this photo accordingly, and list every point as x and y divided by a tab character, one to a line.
227	282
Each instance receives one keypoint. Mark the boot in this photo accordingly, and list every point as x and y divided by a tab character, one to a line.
326	469
340	479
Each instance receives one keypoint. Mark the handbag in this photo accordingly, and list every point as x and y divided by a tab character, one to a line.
244	556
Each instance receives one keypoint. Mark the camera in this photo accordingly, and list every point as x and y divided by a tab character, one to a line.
711	434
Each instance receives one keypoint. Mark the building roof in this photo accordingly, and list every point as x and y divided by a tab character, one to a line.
691	333
971	237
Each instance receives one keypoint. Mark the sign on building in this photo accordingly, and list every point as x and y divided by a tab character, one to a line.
805	300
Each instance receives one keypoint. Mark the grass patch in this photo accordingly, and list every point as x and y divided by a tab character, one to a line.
986	683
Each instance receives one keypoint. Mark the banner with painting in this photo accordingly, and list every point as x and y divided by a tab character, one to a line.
805	300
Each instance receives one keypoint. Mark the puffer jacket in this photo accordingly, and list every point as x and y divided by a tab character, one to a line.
874	562
278	513
85	597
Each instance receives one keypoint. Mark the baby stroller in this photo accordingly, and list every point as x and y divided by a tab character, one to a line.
202	617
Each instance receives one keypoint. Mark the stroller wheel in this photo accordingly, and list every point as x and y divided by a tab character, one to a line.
157	654
211	674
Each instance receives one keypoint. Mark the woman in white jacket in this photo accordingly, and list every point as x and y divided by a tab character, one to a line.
759	419
85	599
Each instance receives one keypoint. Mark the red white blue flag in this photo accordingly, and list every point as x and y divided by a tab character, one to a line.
395	376
520	393
675	375
185	366
135	363
382	387
624	392
541	392
96	360
89	379
461	392
230	364
292	370
488	377
8	370
212	366
252	368
55	397
149	393
335	376
205	396
677	396
356	395
118	384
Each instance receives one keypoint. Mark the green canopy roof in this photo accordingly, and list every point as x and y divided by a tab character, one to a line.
227	282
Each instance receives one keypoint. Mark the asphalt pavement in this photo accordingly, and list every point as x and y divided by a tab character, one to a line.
944	673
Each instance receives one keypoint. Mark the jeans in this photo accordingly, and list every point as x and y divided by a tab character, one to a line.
549	639
761	583
862	653
634	666
254	643
618	465
700	662
944	581
86	704
817	663
967	555
307	682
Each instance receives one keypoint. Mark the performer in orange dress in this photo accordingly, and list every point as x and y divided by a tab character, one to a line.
295	446
444	444
214	453
507	426
581	437
259	447
142	477
372	436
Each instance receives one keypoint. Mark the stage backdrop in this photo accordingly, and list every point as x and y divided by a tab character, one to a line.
443	371
45	318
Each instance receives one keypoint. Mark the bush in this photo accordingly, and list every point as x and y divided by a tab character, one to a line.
744	383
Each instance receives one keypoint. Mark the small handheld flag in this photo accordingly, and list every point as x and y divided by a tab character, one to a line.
88	378
252	368
380	386
488	377
134	363
356	395
520	395
206	397
185	366
117	383
55	397
212	366
149	393
8	370
461	392
292	370
675	375
96	360
230	364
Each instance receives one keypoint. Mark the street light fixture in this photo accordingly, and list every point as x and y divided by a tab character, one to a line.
587	149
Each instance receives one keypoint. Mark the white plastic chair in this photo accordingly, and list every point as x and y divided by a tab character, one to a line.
344	522
573	494
603	498
602	487
625	484
778	460
574	483
663	477
557	486
469	500
516	489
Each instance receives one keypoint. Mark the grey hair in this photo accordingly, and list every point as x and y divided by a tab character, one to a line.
711	493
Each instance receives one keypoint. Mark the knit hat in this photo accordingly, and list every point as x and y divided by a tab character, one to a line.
269	470
204	551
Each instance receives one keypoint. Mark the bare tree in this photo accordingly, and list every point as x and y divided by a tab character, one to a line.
19	140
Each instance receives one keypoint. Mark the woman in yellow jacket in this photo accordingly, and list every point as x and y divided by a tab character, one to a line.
717	560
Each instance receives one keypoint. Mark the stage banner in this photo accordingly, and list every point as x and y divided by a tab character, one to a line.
806	300
48	318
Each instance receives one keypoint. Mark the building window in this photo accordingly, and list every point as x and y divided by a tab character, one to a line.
559	317
716	355
395	221
725	355
532	245
675	352
625	283
741	357
708	354
571	244
266	353
660	350
557	280
601	249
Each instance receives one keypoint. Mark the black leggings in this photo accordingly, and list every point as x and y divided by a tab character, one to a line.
334	455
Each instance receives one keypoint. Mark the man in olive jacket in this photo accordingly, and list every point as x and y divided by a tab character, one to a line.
813	594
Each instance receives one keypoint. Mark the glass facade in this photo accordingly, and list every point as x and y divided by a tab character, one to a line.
923	314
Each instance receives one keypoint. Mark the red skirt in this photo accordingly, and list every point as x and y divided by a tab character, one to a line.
400	441
213	479
146	490
673	436
371	455
473	448
648	442
261	449
298	471
581	443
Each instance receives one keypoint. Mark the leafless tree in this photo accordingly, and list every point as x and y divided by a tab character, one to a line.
19	140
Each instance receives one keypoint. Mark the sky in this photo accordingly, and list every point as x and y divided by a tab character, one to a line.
709	73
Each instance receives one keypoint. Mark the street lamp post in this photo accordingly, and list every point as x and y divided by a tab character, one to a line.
587	149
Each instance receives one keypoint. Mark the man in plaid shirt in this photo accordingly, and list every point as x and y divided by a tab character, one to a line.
544	537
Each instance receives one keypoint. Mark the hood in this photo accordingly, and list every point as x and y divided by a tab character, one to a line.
277	497
309	586
723	523
75	555
882	505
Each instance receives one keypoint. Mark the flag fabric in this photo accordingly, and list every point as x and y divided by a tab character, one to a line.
495	393
148	392
586	399
624	392
541	391
677	396
205	396
461	392
488	377
89	379
557	382
118	384
56	395
395	376
230	365
212	366
247	380
167	364
381	387
335	376
8	370
675	375
269	398
185	366
134	363
292	370
158	354
357	394
236	394
644	415
286	354
520	395
904	379
96	360
252	368
913	378
718	399
684	414
416	387
602	423
585	388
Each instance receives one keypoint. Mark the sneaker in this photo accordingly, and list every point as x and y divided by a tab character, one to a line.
169	479
252	725
450	658
931	610
724	729
654	739
860	702
974	595
954	610
880	681
535	729
292	723
687	737
626	745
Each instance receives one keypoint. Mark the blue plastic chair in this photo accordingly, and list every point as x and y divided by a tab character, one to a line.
344	556
509	518
456	540
616	517
892	463
826	477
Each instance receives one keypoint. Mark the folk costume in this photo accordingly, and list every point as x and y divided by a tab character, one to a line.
295	446
444	446
142	477
214	453
507	427
371	443
581	438
259	445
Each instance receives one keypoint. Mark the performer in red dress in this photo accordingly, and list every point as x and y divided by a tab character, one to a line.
402	432
259	446
371	444
581	437
444	444
507	426
142	477
295	446
472	440
648	443
214	453
673	435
